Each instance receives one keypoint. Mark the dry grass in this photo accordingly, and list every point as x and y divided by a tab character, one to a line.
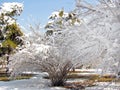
102	79
93	77
79	72
5	77
79	85
86	71
17	78
75	75
91	80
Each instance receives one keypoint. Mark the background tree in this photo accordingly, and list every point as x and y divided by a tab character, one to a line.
10	31
102	26
61	20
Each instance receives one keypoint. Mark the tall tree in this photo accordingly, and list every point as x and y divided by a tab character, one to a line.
10	31
9	28
101	22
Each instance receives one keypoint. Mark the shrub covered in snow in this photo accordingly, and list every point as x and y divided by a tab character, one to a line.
94	42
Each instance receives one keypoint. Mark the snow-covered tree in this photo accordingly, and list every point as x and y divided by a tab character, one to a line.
102	26
41	54
10	31
96	39
9	28
60	20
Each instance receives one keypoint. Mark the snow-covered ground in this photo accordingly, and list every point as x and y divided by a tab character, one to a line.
35	83
38	83
105	86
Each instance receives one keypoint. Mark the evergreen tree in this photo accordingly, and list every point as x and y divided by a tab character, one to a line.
61	20
9	29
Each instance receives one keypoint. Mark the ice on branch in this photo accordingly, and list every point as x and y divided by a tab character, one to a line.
102	26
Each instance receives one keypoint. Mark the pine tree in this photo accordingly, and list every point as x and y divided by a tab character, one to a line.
10	31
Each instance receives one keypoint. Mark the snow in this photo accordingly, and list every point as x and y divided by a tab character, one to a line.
105	86
38	83
9	7
9	20
35	83
89	70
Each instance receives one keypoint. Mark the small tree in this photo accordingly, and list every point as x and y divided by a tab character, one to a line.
50	54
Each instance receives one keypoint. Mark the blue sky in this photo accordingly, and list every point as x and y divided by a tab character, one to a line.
41	9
